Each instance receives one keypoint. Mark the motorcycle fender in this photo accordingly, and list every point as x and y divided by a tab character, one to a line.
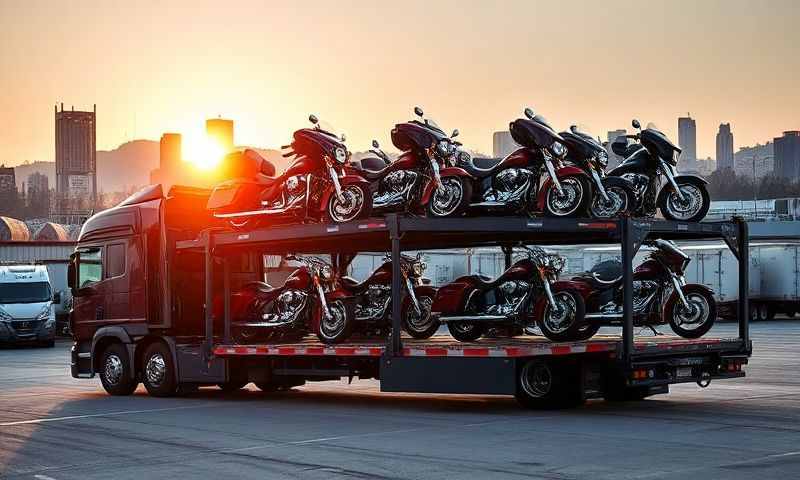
347	179
681	178
450	298
444	172
619	181
563	172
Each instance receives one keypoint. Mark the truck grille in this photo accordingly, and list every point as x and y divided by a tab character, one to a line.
25	327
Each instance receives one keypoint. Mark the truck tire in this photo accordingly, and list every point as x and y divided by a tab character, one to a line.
115	371
158	371
759	312
548	385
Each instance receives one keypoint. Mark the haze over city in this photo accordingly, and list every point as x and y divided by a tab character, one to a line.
362	66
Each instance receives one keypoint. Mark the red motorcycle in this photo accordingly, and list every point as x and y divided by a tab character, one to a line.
262	313
418	182
371	302
526	295
316	187
513	185
660	294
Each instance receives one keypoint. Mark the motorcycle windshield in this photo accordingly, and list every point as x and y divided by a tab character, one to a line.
329	129
655	140
430	124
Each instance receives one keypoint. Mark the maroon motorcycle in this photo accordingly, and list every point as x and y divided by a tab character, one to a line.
371	302
660	294
526	295
514	185
316	187
418	182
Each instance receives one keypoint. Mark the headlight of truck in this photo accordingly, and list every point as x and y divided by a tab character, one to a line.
46	317
4	317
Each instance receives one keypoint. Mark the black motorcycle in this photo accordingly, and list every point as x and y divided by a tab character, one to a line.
611	196
682	198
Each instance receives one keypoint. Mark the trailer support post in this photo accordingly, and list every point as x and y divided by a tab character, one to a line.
743	245
626	238
209	288
396	346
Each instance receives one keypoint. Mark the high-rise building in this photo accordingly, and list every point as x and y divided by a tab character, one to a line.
725	147
503	144
787	155
220	131
169	161
76	170
8	191
613	158
687	140
759	156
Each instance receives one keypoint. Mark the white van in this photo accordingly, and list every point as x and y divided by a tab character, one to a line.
27	312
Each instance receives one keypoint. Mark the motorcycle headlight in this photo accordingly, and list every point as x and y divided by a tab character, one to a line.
602	159
443	148
340	154
558	149
418	268
326	273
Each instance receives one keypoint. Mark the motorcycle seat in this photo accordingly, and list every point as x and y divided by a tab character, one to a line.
484	167
372	164
263	291
485	283
373	175
604	275
354	285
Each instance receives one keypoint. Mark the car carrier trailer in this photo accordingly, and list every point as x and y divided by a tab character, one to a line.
192	341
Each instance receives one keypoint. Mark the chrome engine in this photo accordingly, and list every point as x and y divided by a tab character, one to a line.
509	185
375	302
643	293
394	188
294	191
509	297
285	308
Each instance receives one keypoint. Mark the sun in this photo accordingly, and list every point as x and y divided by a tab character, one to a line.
204	152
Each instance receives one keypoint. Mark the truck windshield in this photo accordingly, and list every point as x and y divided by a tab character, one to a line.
29	292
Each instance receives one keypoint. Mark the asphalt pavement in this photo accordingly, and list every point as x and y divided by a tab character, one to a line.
54	427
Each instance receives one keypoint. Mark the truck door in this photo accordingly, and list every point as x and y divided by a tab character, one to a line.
88	296
116	282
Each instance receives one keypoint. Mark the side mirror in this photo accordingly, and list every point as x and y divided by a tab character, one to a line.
573	128
72	272
635	123
529	113
313	119
375	144
57	297
455	133
418	112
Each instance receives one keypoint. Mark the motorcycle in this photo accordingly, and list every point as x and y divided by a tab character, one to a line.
526	295
316	187
372	301
416	182
682	198
512	185
262	313
660	293
611	196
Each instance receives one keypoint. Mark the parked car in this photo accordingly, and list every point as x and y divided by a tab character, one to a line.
27	312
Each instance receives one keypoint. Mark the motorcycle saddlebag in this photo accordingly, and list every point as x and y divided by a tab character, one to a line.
232	196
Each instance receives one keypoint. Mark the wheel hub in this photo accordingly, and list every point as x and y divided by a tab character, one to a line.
446	197
536	380
558	318
567	200
113	369
688	207
349	209
156	369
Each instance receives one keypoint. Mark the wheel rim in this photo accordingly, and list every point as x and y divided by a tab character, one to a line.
690	206
536	380
696	315
420	322
616	204
351	207
113	369
560	319
334	323
569	200
156	369
447	197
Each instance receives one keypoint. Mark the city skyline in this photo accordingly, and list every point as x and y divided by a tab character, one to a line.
158	69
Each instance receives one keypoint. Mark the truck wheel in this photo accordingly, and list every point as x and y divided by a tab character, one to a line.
115	371
158	371
546	385
760	312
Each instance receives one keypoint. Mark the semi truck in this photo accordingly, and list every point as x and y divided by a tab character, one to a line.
146	273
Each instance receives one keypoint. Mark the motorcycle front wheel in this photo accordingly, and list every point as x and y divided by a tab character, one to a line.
572	200
466	331
695	321
337	326
451	198
356	203
419	325
692	208
564	321
619	201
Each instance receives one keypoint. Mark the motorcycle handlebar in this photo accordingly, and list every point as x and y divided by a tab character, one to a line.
288	154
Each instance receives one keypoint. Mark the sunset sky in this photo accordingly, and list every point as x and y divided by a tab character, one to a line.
473	65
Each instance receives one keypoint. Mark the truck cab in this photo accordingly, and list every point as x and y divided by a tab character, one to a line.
27	310
121	282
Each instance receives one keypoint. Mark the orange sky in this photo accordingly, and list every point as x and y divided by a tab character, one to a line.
473	65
